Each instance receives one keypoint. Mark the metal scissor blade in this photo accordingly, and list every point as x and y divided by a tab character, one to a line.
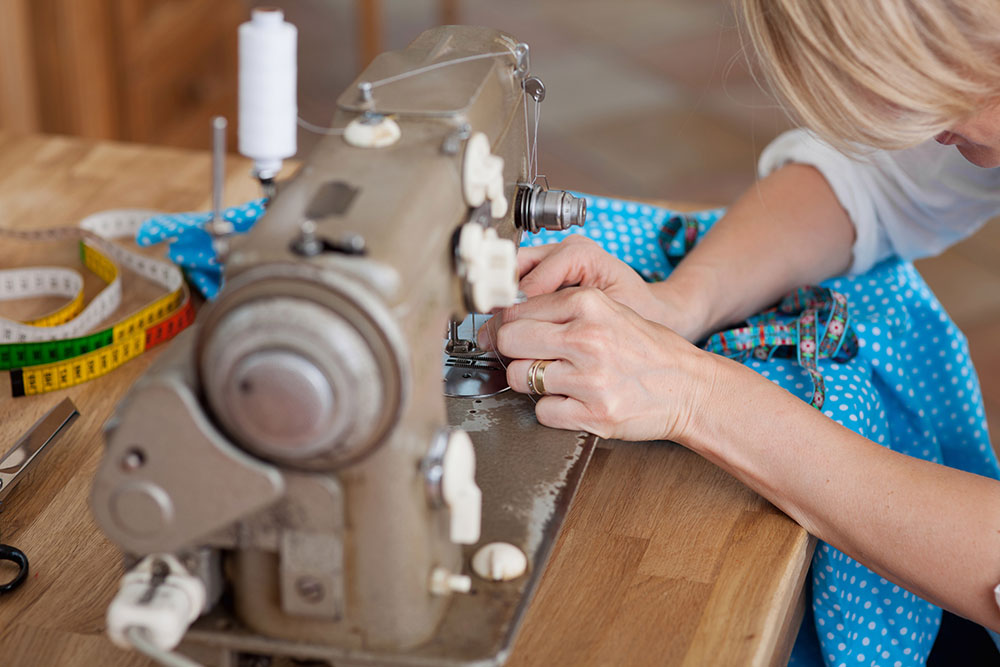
28	449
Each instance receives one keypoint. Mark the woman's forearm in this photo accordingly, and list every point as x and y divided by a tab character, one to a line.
931	529
788	230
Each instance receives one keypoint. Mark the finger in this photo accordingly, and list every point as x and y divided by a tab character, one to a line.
557	307
566	413
557	376
487	332
560	307
531	339
567	263
528	258
558	269
487	335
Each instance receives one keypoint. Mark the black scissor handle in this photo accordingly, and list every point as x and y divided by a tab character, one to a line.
14	555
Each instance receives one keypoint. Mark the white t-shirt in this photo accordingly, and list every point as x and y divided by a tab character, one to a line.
910	203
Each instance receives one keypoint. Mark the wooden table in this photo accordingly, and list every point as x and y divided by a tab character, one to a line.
664	560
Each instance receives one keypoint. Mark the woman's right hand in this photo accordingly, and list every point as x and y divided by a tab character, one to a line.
610	371
579	262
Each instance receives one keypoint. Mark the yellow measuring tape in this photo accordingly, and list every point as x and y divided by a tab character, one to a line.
62	348
62	314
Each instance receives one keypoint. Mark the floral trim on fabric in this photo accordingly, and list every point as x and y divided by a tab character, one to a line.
789	330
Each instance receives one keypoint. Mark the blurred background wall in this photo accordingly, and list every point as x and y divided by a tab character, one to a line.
645	98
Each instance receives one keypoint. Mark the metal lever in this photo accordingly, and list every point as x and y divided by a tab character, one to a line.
20	459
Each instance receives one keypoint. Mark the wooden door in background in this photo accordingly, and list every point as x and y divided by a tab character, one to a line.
151	71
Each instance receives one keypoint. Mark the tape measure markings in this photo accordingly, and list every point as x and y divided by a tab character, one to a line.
54	357
44	281
18	355
50	377
99	309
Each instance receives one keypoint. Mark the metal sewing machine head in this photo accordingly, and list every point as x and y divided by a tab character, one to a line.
293	454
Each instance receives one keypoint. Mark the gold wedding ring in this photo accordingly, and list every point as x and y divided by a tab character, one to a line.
536	376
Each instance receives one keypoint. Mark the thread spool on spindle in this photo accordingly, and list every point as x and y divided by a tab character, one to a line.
268	105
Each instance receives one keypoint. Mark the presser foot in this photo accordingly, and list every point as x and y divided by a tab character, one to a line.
469	371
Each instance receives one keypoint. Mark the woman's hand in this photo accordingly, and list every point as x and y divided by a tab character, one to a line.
613	373
578	261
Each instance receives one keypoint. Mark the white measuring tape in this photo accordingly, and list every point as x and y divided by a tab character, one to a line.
62	348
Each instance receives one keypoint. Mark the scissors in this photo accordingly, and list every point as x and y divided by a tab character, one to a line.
18	461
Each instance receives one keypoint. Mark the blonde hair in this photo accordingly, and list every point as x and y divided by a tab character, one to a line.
880	73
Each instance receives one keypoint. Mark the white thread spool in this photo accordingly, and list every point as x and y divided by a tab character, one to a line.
268	105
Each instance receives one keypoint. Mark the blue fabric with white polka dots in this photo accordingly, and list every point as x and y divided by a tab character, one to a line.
911	388
191	246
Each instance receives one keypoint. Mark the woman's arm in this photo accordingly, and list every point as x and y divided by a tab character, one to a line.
787	231
931	529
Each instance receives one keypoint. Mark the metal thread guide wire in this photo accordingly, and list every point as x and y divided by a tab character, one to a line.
367	87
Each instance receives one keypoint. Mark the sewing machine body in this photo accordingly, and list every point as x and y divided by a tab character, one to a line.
288	449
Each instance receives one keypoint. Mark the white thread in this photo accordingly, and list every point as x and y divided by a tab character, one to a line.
318	129
268	106
531	137
446	63
534	141
527	138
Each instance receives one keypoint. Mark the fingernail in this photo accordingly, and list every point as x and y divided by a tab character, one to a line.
485	340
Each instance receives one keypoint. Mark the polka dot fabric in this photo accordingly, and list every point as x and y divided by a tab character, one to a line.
628	230
191	246
911	388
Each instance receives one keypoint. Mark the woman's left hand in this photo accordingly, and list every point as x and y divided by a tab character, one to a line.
613	373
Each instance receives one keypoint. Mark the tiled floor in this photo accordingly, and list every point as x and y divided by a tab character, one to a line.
645	98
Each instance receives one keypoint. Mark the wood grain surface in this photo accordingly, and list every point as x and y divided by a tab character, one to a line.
665	559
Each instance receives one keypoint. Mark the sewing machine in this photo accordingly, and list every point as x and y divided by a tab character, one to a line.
289	478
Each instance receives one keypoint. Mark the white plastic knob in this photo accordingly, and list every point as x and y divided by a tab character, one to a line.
482	176
379	132
164	611
444	582
459	489
489	265
499	561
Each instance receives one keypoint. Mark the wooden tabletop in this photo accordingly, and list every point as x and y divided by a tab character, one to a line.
664	559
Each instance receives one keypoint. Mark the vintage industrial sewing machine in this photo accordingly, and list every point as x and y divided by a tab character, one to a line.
289	478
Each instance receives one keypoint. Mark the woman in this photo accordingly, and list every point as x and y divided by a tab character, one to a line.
909	92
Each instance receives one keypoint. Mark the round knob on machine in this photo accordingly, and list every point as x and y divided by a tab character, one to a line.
282	396
499	561
293	382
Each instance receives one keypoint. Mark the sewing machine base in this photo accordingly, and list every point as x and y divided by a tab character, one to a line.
528	474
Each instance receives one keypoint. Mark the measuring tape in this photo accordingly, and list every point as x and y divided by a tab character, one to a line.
60	349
